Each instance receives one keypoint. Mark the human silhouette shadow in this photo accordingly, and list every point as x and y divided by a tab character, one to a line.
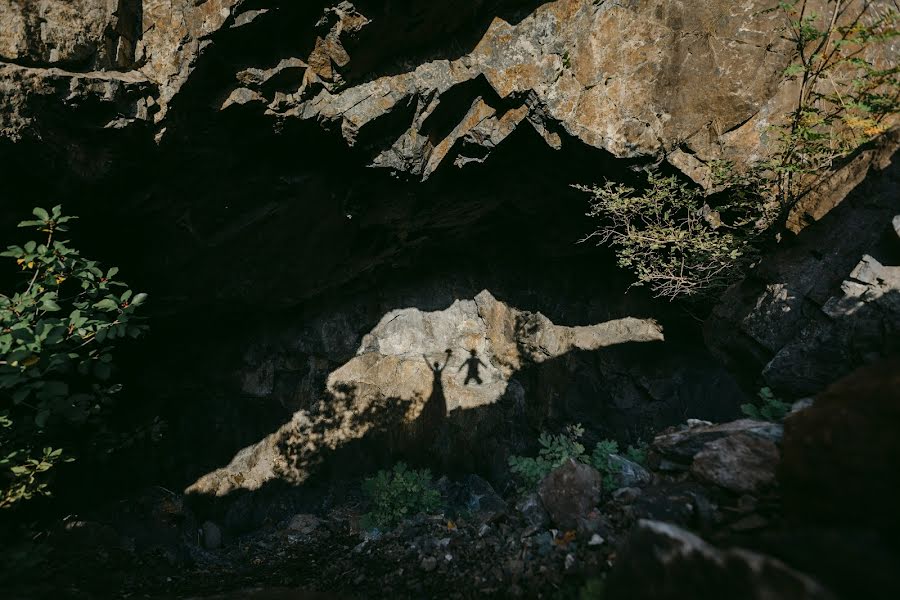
435	410
472	363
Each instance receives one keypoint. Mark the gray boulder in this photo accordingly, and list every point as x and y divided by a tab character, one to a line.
684	443
741	463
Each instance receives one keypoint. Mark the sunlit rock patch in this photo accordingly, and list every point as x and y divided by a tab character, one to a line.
391	388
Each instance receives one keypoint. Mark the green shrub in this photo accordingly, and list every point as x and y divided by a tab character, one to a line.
848	83
555	450
770	409
672	240
397	494
600	460
637	454
57	333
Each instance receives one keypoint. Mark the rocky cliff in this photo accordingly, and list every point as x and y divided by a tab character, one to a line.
260	163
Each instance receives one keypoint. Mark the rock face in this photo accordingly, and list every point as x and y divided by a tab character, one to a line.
842	452
664	562
628	78
570	492
555	69
410	372
824	303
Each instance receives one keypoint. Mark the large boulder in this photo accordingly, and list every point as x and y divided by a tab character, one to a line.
557	68
660	561
684	442
841	456
570	493
825	302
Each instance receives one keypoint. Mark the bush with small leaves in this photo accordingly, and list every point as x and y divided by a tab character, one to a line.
555	450
399	493
673	240
600	460
770	408
57	333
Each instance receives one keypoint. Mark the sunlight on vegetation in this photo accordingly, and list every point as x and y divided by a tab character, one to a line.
57	333
685	244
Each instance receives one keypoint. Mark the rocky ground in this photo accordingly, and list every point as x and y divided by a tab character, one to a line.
568	539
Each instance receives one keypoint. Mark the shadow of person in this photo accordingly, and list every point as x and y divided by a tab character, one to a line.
473	362
435	410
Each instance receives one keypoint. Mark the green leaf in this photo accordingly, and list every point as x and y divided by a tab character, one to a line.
106	304
139	299
41	214
49	305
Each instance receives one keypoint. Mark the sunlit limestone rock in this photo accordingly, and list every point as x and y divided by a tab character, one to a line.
687	81
410	371
635	79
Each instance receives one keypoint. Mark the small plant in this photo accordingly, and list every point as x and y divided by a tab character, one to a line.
637	454
600	459
555	450
594	588
770	409
848	88
57	333
397	494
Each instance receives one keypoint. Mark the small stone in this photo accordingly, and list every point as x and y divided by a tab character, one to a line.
596	540
570	561
628	472
484	530
212	535
304	523
746	503
532	509
626	495
670	466
429	564
749	523
682	445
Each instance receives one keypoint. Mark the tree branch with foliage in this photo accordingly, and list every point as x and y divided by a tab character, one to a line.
57	335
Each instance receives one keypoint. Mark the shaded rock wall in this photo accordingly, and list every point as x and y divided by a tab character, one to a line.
825	302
